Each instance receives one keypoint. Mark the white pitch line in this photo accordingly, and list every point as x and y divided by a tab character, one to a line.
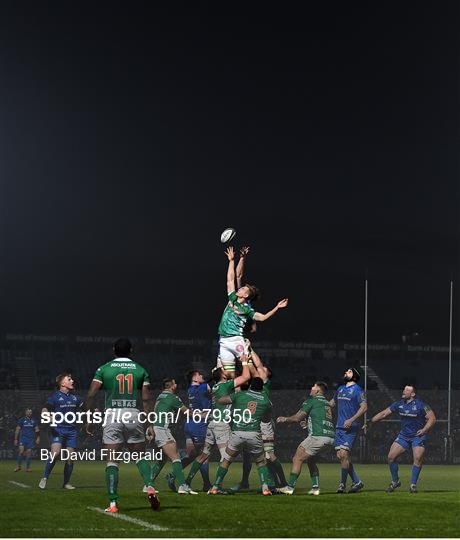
130	519
18	484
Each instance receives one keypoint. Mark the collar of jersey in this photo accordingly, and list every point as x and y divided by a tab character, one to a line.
122	360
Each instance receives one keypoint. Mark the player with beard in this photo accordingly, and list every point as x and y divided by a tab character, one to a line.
417	419
351	405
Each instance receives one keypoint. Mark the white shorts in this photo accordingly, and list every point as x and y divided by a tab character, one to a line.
230	348
130	431
315	445
250	440
162	436
217	433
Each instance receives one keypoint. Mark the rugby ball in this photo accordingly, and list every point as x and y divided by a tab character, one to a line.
227	235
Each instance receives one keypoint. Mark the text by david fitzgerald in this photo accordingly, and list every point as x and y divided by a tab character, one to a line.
103	454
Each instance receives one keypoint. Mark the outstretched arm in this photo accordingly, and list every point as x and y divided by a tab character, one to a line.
297	417
381	415
264	316
231	270
240	266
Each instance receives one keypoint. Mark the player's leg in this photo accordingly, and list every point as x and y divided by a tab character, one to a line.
343	456
170	449
396	449
28	454
233	448
314	475
143	466
20	457
418	454
68	469
256	448
299	457
51	462
199	442
227	355
111	471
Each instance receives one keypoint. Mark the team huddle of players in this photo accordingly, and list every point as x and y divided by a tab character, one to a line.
240	393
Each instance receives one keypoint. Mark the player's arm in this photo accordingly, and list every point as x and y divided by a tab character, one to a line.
16	435
260	369
244	377
295	418
380	416
93	390
37	432
430	422
231	270
260	317
362	409
240	266
147	398
332	403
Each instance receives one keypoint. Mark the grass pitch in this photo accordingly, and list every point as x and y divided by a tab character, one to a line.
29	512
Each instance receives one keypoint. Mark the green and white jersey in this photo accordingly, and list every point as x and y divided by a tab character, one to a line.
221	389
121	379
319	416
234	317
252	407
166	407
267	387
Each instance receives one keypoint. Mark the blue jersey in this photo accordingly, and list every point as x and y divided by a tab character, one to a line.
61	402
412	415
348	400
198	398
27	426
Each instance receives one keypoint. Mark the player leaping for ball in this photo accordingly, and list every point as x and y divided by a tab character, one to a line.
417	419
235	316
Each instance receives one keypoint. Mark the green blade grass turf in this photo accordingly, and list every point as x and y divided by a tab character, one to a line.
30	512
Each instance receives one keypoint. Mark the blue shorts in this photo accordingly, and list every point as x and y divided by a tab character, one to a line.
345	438
68	439
195	432
27	443
410	442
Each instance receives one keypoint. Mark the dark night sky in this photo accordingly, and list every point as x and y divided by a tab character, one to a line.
132	136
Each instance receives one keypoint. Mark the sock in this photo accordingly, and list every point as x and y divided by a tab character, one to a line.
394	471
293	479
272	478
221	472
353	474
68	468
193	470
415	474
186	462
28	460
343	476
20	458
314	480
263	474
204	470
155	470
279	472
111	479
247	465
178	472
145	471
49	467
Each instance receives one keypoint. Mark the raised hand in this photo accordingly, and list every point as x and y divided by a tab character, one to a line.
283	303
244	251
230	253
